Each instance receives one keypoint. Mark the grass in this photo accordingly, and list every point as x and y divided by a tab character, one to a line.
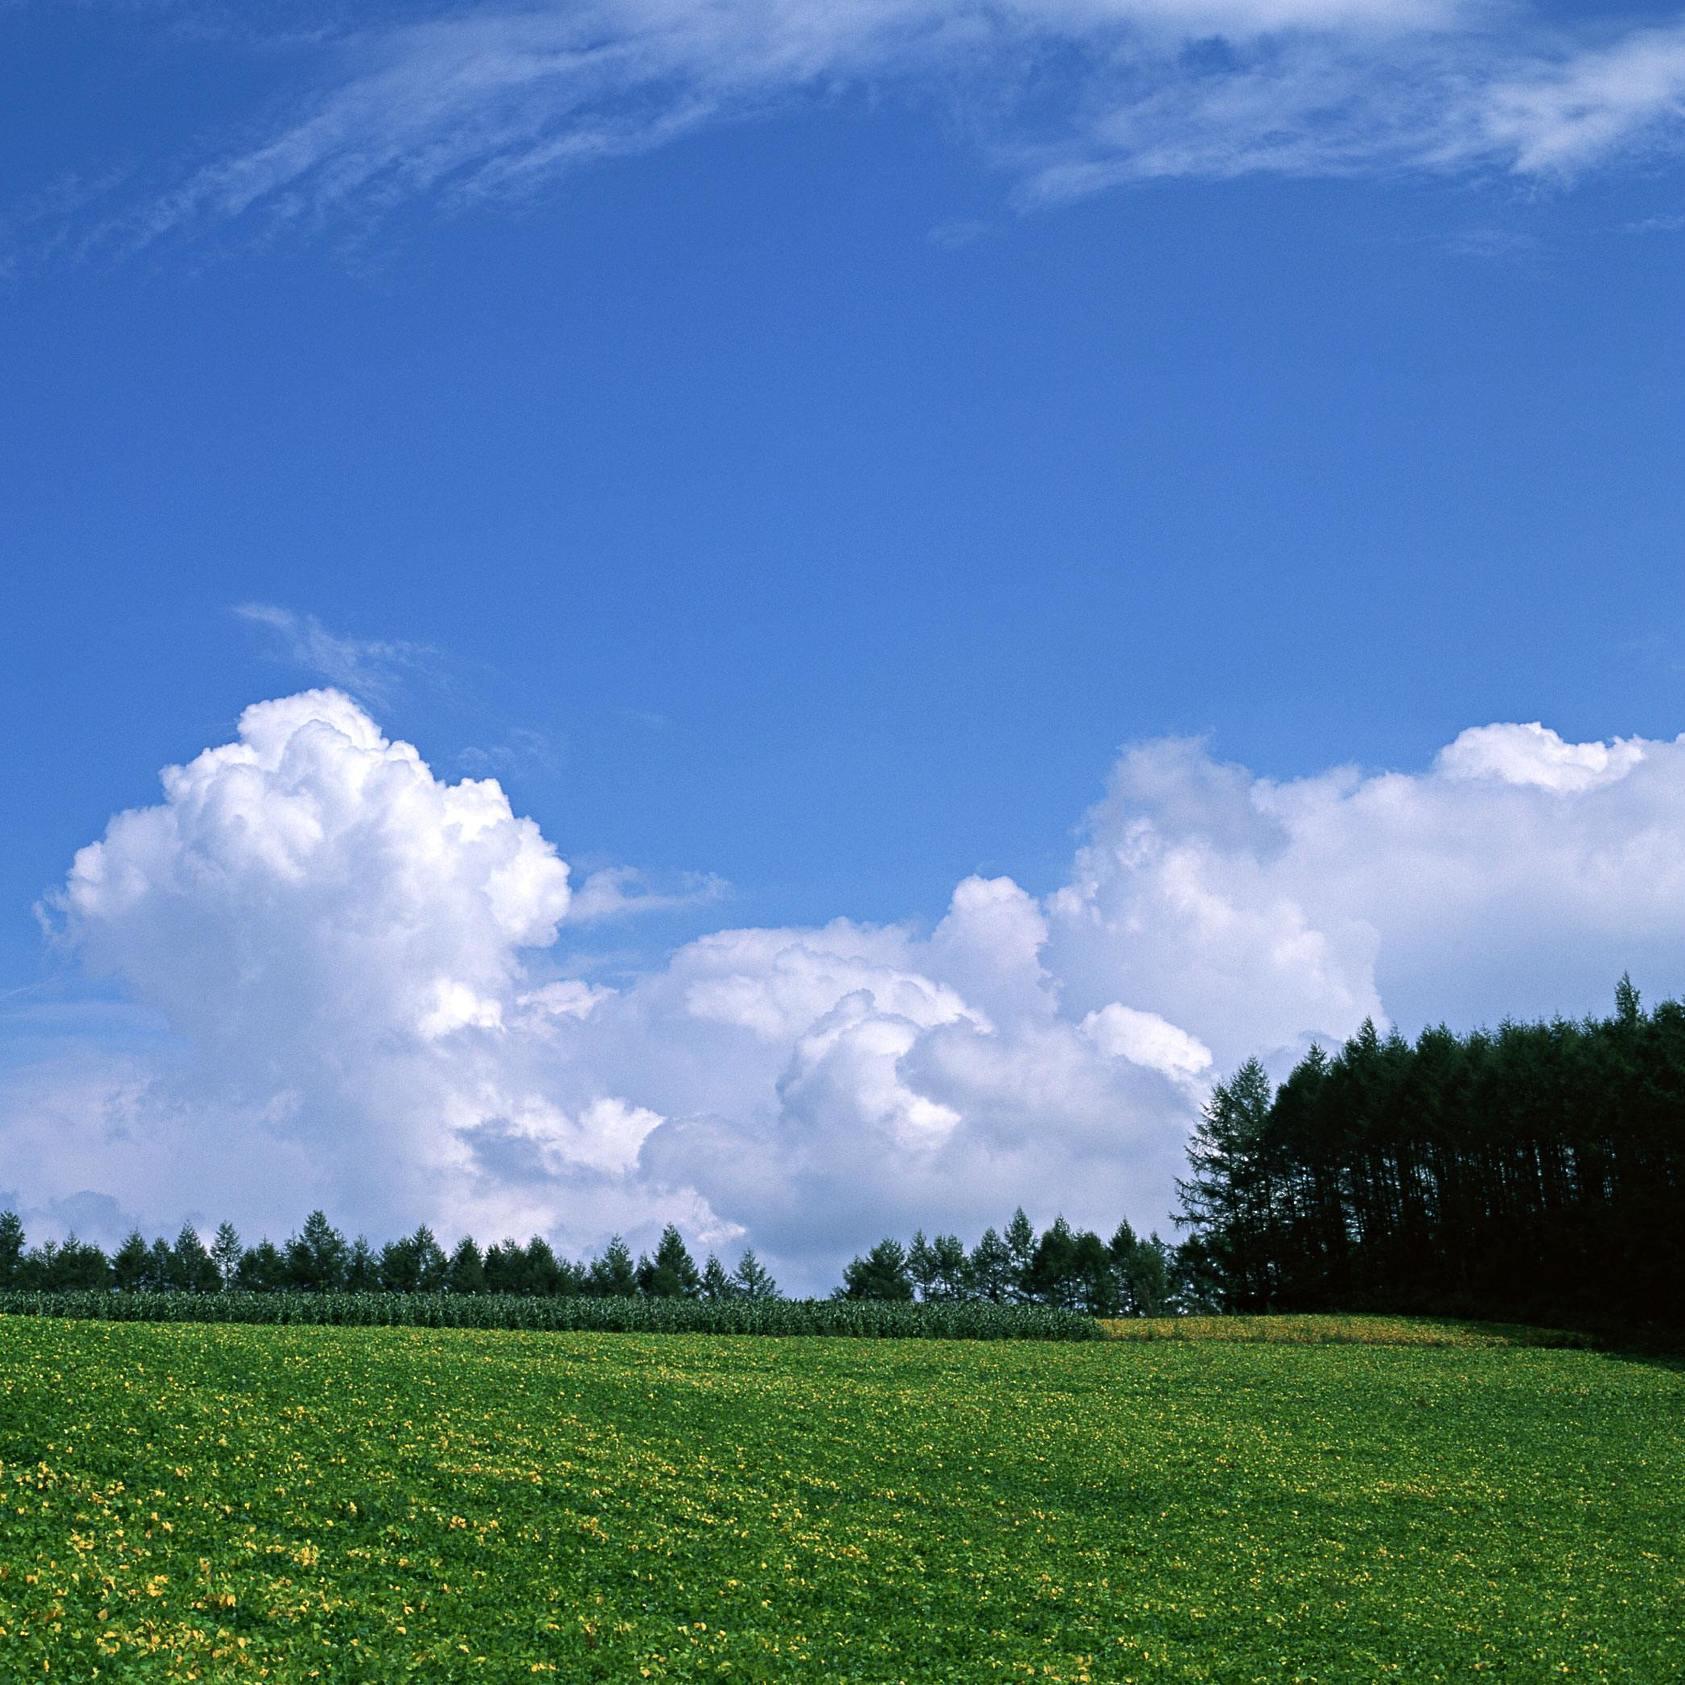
1341	1330
225	1502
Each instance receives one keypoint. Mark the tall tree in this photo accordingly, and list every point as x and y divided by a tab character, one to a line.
225	1254
317	1256
132	1262
716	1284
672	1272
467	1270
614	1275
750	1279
11	1247
881	1274
1021	1251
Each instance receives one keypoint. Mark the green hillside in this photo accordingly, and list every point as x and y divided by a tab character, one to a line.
191	1501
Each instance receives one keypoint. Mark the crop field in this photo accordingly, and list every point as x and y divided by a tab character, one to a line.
297	1502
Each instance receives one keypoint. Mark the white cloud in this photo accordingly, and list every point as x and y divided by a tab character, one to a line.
472	105
357	965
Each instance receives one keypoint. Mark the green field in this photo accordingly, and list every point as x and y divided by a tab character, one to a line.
204	1501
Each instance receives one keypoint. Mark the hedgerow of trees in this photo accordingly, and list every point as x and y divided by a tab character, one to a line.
1533	1171
1061	1268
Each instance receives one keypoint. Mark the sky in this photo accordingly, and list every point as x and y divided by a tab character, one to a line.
807	619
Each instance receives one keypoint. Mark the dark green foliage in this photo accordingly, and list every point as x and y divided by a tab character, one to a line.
225	1253
362	1268
262	1269
1020	1252
716	1284
11	1247
672	1272
317	1256
191	1269
750	1280
415	1264
614	1275
131	1263
882	1274
1534	1171
990	1269
467	1271
671	1315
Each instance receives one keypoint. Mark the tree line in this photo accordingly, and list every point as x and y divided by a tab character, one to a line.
319	1259
1062	1268
1533	1171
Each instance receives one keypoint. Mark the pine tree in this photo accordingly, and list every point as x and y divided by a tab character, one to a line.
82	1266
1053	1277
132	1263
921	1264
263	1269
881	1274
11	1247
467	1270
990	1268
750	1278
190	1266
362	1269
540	1271
951	1277
160	1266
614	1275
672	1272
716	1284
1150	1278
225	1254
1021	1252
316	1256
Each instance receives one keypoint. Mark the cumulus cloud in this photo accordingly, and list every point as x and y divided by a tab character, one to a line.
462	106
357	965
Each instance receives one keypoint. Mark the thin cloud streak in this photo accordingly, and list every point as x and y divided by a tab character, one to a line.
472	107
369	668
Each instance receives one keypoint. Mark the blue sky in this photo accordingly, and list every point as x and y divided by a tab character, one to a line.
794	450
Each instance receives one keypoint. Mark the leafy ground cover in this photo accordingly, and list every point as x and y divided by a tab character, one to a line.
224	1501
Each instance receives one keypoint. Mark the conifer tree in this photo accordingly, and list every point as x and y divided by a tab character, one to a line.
316	1256
362	1269
990	1268
751	1280
467	1270
190	1269
263	1269
225	1254
132	1263
11	1247
614	1275
881	1274
672	1272
716	1284
1021	1252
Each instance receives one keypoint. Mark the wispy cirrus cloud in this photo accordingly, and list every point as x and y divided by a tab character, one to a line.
369	668
458	107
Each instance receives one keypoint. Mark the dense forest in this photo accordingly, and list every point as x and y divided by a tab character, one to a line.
1534	1171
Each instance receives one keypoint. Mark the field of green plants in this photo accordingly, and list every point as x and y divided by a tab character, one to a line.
297	1502
866	1319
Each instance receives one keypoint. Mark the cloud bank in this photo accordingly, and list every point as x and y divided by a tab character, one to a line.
356	962
461	106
